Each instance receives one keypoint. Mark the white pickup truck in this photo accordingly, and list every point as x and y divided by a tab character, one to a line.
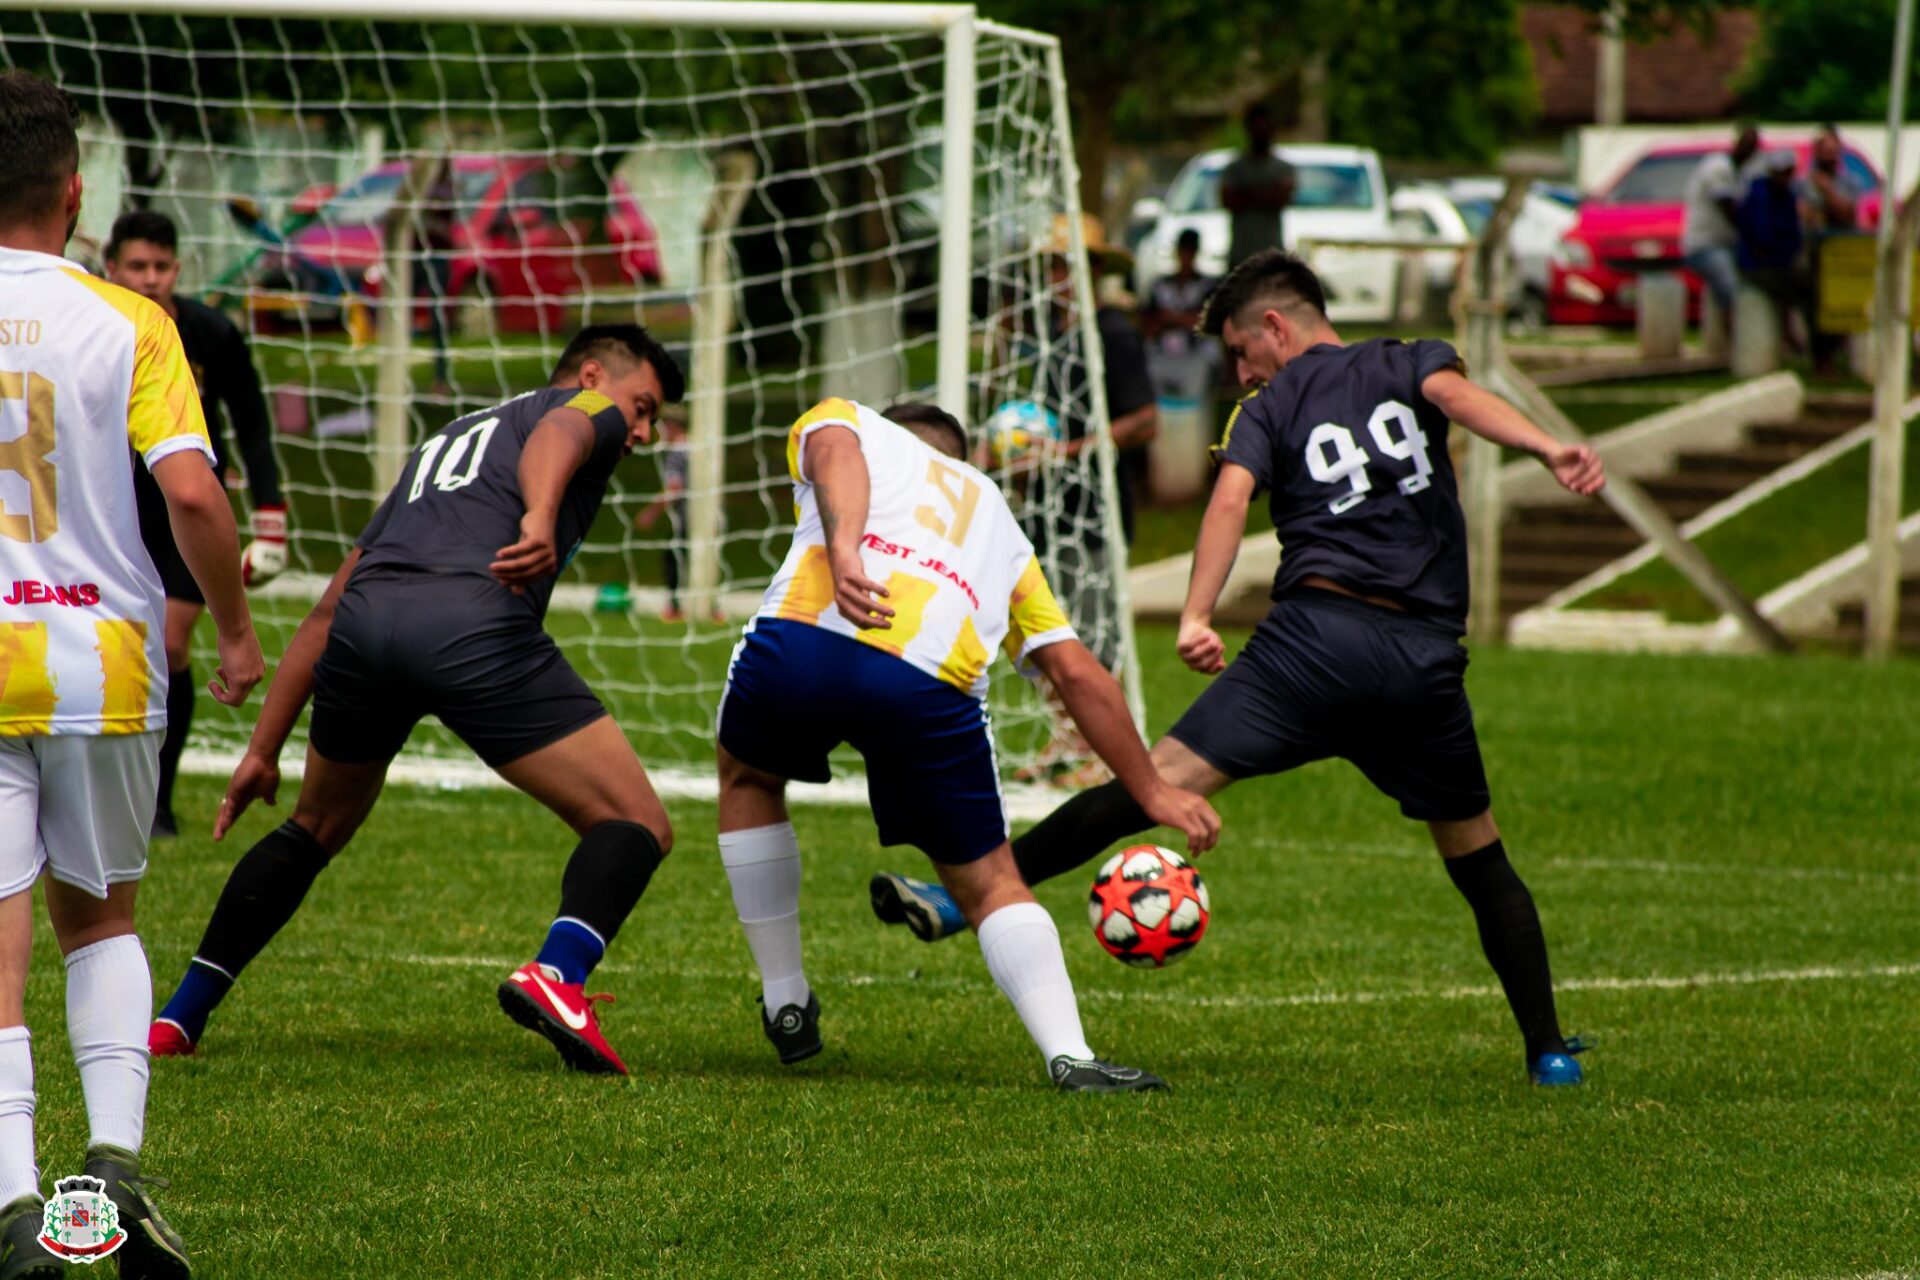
1339	193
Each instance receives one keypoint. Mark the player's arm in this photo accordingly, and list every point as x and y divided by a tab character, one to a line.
832	462
1093	698
1576	466
560	445
1221	530
257	777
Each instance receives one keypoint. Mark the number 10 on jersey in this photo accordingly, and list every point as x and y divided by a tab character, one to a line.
1335	457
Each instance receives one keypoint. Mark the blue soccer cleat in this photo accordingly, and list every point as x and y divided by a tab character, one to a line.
927	909
1558	1068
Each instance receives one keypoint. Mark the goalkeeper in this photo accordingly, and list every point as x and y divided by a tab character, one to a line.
143	255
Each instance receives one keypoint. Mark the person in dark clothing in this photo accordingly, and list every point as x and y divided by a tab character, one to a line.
1772	240
143	255
1360	656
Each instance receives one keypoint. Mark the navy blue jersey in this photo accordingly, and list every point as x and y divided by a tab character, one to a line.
458	500
1355	461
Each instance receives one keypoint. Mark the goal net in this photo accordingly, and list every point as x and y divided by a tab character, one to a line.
410	218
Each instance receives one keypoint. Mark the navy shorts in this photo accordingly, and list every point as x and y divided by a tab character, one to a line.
1325	675
457	646
795	692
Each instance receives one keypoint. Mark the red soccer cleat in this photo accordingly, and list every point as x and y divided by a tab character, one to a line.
166	1040
562	1012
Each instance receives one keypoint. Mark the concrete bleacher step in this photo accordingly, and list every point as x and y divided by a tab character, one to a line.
1850	629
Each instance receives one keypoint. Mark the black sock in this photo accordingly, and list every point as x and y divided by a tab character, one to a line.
179	723
1078	832
1510	935
262	893
607	874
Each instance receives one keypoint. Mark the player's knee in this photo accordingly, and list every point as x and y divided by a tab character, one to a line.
329	832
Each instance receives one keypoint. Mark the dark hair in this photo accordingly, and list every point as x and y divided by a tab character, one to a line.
926	420
609	342
39	137
143	224
1188	239
1271	276
1256	111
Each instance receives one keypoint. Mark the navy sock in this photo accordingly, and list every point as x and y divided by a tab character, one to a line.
602	884
200	992
571	949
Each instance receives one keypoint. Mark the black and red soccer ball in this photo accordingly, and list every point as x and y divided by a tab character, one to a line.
1148	907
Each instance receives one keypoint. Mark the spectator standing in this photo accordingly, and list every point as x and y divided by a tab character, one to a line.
1710	234
1771	240
1183	363
672	455
1256	187
1830	205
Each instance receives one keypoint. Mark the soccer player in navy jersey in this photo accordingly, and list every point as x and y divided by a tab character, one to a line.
439	610
1360	655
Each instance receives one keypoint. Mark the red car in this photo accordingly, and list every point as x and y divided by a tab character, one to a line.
530	232
1634	225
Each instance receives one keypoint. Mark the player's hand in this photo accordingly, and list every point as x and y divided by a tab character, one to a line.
1187	812
1578	469
266	556
241	667
857	596
1201	647
255	778
532	558
646	517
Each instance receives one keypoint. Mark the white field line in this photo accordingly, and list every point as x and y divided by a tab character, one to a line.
1650	982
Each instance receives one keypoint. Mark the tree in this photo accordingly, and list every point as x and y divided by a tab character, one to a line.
1821	60
1431	79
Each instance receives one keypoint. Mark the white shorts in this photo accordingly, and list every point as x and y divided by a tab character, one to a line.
79	805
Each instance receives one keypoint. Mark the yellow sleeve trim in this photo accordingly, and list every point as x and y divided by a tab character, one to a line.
163	402
591	403
835	410
1219	451
1033	610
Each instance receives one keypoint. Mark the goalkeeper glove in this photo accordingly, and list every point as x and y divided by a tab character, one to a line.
266	555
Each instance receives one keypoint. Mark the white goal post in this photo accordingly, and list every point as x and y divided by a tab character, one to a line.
801	199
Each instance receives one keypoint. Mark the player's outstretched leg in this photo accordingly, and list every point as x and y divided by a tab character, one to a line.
109	1002
263	891
762	859
595	784
1511	936
1080	830
1021	946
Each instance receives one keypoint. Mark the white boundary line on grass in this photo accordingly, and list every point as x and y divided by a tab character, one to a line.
1649	982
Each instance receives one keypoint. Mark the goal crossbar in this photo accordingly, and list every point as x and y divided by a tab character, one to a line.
739	15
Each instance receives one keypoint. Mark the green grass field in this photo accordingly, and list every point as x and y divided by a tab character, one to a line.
1725	858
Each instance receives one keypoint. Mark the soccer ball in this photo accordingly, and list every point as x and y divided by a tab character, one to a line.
1148	906
1019	427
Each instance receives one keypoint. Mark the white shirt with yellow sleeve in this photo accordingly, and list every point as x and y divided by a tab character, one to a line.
961	575
87	369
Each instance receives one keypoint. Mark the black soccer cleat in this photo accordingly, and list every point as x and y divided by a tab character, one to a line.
153	1250
794	1031
22	1256
1091	1075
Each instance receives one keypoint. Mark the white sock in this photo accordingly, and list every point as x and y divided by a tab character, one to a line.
18	1176
1022	950
763	866
109	1007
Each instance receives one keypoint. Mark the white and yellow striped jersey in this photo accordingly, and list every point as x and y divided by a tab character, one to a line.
86	368
962	576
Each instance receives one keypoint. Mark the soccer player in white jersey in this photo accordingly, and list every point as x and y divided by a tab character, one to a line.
85	369
906	572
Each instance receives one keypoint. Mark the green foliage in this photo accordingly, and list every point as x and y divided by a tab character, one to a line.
1430	79
1822	60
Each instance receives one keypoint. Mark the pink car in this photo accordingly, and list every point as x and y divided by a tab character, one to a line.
531	231
1633	225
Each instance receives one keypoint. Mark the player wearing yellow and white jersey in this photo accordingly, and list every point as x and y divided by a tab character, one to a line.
959	573
906	572
87	369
